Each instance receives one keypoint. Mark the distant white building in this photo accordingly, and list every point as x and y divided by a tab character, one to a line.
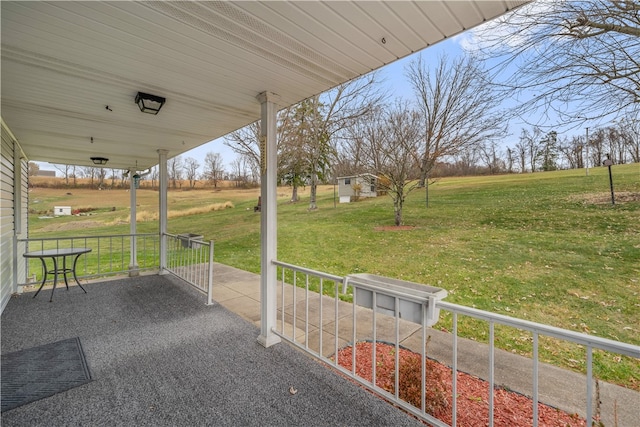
350	188
61	210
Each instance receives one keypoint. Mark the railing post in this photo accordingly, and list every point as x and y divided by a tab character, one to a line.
210	275
589	416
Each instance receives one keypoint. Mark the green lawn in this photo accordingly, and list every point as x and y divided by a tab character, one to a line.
546	247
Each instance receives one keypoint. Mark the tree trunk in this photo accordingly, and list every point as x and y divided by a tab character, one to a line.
294	194
426	191
312	197
398	214
424	172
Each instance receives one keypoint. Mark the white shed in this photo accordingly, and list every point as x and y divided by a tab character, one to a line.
350	188
61	210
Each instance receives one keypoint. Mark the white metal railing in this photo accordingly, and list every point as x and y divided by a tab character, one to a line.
191	260
312	317
110	255
537	330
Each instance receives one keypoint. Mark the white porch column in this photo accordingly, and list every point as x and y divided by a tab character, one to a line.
133	263
19	275
163	186
268	220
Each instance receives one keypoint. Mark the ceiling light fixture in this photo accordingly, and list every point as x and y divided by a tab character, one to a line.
99	160
150	104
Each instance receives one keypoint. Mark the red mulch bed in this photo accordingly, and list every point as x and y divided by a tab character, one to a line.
510	409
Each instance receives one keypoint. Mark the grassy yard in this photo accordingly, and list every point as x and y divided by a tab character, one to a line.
546	247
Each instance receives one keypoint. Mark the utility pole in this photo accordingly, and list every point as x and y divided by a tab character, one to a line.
586	161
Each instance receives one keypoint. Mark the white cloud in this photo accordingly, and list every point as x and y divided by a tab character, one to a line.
513	30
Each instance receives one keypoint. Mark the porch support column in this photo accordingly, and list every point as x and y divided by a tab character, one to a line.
162	196
133	263
19	274
268	219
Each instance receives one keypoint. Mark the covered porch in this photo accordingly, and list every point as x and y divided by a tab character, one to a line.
160	355
129	85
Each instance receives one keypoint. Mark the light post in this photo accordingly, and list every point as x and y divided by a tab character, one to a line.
586	160
608	164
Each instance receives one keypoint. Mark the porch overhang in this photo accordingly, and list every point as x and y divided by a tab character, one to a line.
71	70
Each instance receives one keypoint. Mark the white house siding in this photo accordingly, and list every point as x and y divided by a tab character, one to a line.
13	215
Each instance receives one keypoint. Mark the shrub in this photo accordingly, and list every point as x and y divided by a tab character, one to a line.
410	372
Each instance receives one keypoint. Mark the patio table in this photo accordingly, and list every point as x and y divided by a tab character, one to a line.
54	254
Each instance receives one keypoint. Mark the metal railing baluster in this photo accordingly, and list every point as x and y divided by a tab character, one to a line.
535	379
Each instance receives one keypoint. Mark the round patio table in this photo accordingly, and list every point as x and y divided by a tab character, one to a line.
54	254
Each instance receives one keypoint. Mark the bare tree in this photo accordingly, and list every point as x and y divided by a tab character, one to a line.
33	169
66	172
240	167
174	170
458	109
491	157
578	59
244	142
572	150
154	176
391	139
74	175
465	163
114	176
629	130
521	154
330	114
351	152
213	168
597	144
102	174
530	141
510	160
615	145
191	166
90	172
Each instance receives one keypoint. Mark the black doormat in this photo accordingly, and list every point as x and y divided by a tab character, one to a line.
39	372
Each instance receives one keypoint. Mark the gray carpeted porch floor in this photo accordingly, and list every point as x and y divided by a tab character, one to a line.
160	357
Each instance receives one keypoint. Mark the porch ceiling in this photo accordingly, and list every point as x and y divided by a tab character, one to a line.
63	63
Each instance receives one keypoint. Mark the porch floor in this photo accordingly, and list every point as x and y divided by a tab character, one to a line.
159	356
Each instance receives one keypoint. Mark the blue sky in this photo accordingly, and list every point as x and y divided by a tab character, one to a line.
395	80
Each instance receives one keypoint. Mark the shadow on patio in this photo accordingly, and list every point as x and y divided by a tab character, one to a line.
159	356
